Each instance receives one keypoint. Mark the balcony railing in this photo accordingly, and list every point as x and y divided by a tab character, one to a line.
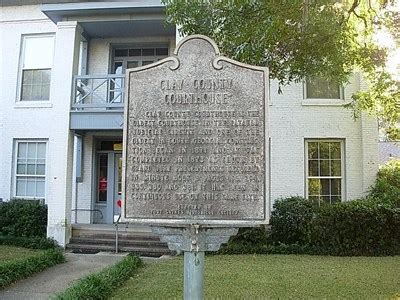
98	92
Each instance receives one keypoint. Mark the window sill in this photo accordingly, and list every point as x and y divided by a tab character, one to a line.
323	102
33	104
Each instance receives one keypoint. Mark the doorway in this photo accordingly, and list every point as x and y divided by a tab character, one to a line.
108	184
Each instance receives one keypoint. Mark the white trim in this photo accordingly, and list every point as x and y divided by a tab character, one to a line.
21	64
323	101
342	165
16	142
33	104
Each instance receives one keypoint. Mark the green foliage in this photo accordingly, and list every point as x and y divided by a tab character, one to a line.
35	242
13	270
26	218
290	220
102	284
359	227
283	35
387	185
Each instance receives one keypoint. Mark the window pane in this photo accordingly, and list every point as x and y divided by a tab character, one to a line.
336	168
132	64
312	150
26	93
41	150
30	169
323	150
314	187
21	169
31	150
21	185
31	187
36	92
40	169
336	186
22	147
313	169
148	52
335	199
135	52
335	150
40	188
38	52
121	52
324	170
326	189
147	62
162	51
27	77
46	75
322	89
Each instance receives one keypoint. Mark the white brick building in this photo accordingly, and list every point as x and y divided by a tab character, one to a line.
61	88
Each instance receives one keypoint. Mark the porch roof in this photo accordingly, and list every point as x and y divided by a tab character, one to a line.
60	11
114	19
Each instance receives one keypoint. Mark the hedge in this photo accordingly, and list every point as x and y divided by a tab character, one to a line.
361	227
35	242
25	218
101	285
13	270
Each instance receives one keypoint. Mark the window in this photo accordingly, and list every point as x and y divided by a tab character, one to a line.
36	64
324	170
30	169
319	88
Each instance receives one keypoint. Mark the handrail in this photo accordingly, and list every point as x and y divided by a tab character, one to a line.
94	92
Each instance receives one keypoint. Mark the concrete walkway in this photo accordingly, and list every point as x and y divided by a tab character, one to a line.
55	279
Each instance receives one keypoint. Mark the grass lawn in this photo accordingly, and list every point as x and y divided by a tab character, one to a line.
272	276
11	252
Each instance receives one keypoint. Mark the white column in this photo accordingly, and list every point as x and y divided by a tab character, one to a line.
60	149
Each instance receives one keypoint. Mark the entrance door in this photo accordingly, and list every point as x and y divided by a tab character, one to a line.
109	187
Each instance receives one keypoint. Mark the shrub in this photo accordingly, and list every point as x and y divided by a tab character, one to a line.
359	227
387	185
35	242
13	270
290	220
102	284
23	218
248	240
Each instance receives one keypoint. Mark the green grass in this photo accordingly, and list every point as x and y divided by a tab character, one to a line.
272	276
17	268
11	252
102	284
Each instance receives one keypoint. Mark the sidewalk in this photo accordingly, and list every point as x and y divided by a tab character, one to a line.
55	279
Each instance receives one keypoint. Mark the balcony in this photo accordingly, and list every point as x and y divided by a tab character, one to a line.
98	102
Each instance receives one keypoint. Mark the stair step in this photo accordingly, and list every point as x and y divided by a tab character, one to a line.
122	242
153	251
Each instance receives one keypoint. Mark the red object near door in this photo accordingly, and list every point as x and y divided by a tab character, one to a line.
119	202
103	184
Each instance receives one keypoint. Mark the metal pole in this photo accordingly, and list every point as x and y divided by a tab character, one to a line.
193	275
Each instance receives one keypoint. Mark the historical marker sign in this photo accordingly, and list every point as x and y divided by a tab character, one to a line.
196	140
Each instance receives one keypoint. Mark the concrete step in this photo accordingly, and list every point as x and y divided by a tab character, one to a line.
121	241
142	251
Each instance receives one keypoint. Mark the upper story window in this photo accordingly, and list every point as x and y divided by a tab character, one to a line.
30	169
36	64
126	58
324	170
319	88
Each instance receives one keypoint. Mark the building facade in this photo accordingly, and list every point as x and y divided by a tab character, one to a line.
62	93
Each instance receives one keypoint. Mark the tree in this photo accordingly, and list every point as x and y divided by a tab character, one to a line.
296	39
